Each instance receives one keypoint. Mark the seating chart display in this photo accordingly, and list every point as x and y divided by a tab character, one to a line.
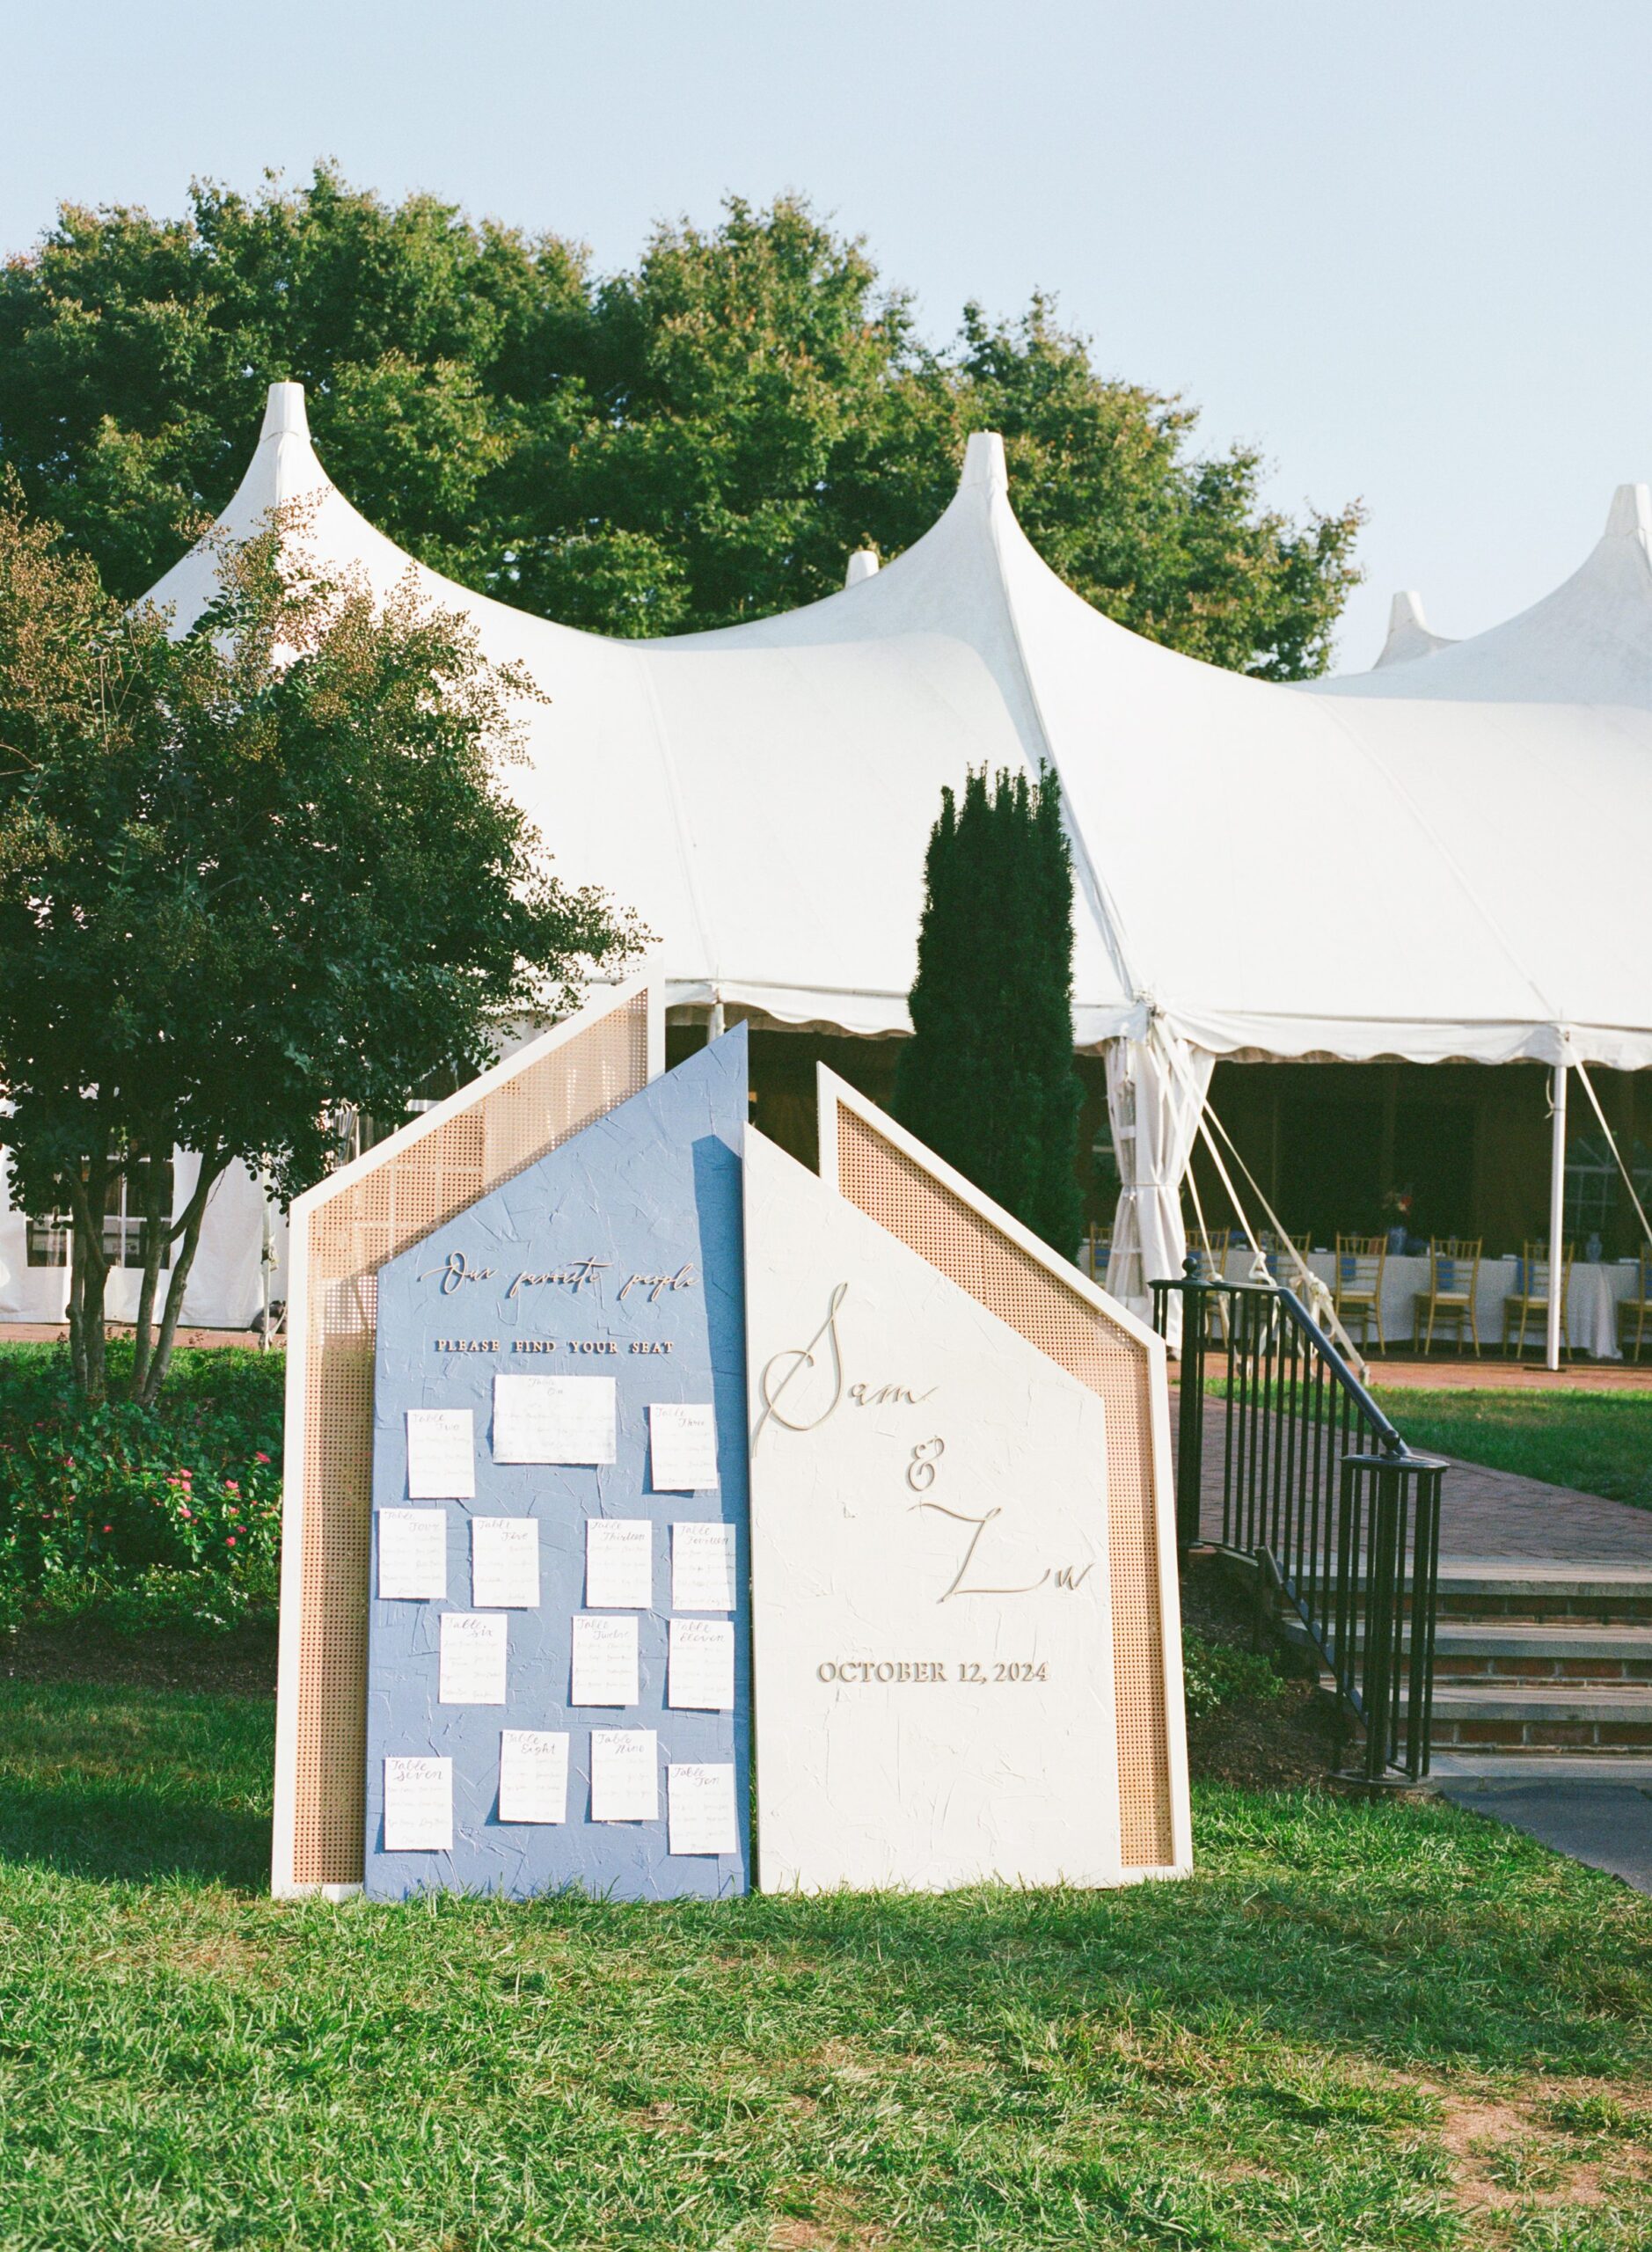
558	1638
930	1523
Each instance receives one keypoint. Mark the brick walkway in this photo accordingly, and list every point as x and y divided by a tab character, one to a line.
1486	1514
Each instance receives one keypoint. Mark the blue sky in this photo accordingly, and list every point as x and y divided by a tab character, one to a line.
1398	245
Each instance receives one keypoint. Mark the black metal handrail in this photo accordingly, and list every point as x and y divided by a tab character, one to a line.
1320	1492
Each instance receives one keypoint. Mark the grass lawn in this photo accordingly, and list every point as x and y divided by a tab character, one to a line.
1598	1442
1387	2027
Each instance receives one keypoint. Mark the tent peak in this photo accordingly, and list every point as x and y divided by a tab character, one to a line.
983	462
1409	632
1631	512
284	412
862	565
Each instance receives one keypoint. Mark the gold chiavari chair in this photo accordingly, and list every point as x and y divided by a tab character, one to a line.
1357	1291
1453	1282
1636	1312
1528	1303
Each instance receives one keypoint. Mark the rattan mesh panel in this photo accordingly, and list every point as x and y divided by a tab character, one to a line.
351	1234
890	1189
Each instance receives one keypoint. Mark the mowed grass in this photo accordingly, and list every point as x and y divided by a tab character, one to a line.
1387	2027
1598	1442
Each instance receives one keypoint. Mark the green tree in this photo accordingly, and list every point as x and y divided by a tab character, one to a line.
987	1078
245	876
698	440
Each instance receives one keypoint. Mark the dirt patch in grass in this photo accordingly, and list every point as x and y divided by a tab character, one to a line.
238	1665
1291	1742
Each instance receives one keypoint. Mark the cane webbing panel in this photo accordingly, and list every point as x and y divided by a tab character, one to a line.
372	1216
926	1215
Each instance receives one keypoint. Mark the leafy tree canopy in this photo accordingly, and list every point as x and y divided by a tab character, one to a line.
245	876
701	439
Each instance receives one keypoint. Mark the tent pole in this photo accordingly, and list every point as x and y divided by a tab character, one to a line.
1557	1210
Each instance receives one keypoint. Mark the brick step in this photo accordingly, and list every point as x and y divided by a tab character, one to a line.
1611	1595
1516	1651
1542	1716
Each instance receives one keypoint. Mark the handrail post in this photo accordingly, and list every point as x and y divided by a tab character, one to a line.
1382	1613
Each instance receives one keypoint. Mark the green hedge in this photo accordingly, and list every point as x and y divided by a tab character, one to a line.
139	1516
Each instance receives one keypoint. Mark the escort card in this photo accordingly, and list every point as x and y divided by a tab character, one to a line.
620	1563
441	1455
624	1770
604	1667
553	1419
473	1669
682	1447
702	1676
505	1563
533	1775
703	1566
418	1806
413	1555
700	1809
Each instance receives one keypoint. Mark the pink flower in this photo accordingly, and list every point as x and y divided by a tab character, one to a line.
108	1528
229	1486
230	1543
261	1458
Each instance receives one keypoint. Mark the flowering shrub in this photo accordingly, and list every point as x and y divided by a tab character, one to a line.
1214	1674
145	1517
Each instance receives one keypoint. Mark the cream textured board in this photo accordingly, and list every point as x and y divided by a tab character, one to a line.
928	1523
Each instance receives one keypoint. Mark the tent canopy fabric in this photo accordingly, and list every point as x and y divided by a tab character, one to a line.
1432	859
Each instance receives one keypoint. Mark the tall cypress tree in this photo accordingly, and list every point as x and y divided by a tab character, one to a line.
987	1079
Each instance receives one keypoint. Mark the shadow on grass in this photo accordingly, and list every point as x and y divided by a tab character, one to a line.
129	1785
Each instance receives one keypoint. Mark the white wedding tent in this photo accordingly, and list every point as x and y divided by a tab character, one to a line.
763	795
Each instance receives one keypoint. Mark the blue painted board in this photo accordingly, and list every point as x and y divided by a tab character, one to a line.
652	1191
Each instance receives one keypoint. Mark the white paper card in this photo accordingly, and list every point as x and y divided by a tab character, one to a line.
700	1809
682	1447
624	1772
620	1563
413	1555
418	1806
505	1563
553	1419
533	1775
441	1455
702	1567
605	1661
472	1658
702	1677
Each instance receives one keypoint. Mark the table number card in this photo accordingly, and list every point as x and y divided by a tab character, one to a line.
505	1563
620	1563
702	1665
472	1658
418	1806
703	1568
553	1419
605	1661
533	1775
625	1774
700	1809
441	1455
682	1447
413	1555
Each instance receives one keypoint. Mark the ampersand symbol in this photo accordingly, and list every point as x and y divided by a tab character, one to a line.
920	1470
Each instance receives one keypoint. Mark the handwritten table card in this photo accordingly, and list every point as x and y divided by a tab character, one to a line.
703	1568
533	1775
441	1454
682	1447
625	1774
605	1661
418	1806
553	1419
700	1809
413	1555
472	1658
505	1563
620	1563
702	1665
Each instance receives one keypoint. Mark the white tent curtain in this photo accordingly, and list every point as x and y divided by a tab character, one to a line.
1156	1090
